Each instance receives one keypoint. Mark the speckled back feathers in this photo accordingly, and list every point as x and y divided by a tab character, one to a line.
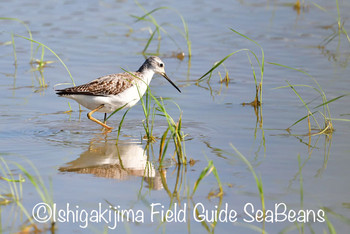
106	85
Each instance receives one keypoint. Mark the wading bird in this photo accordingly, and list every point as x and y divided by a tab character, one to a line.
108	93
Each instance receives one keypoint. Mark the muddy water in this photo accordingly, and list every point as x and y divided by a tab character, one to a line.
88	171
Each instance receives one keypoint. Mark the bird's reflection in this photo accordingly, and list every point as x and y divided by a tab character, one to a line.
120	161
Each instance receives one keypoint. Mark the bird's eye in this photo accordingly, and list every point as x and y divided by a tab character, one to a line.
161	65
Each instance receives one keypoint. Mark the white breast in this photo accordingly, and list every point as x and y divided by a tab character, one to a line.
128	97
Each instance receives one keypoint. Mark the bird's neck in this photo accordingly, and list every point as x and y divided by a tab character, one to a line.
147	73
143	68
147	76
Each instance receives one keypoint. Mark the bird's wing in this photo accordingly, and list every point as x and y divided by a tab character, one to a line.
103	86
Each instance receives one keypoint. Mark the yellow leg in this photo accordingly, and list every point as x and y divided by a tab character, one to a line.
89	115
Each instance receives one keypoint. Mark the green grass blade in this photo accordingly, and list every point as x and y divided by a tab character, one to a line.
121	123
292	68
262	51
319	7
34	181
205	172
219	63
295	85
13	180
150	40
149	13
258	180
332	100
242	35
163	145
252	67
302	100
330	226
14	49
116	111
346	34
345	120
301	119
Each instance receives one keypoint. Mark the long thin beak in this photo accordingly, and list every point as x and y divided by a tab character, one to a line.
167	78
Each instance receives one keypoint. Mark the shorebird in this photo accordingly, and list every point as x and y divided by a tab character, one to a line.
108	93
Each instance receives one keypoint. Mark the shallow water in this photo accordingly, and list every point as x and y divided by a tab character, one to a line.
84	167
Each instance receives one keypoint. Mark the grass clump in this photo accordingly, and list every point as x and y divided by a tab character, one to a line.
39	65
327	127
340	26
210	168
48	48
174	128
261	64
160	28
14	192
176	133
36	180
